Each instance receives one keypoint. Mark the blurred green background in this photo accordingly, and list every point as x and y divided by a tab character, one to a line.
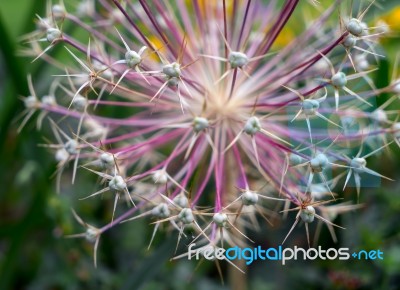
34	255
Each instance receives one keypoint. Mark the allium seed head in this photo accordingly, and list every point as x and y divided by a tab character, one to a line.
252	126
308	214
53	34
249	198
117	183
339	80
237	59
186	216
355	27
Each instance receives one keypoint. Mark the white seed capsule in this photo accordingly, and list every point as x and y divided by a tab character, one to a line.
58	11
252	126
396	129
107	160
308	214
382	27
380	116
172	82
361	63
339	80
358	164
355	27
43	24
220	219
295	159
161	211
186	216
318	163
30	102
79	103
350	41
365	29
200	124
49	100
132	58
101	67
117	183
53	34
160	176
172	70
181	200
322	158
237	59
396	87
249	198
71	146
91	235
61	155
310	107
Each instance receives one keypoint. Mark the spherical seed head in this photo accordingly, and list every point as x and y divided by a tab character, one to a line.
322	158
161	211
220	219
186	216
382	27
350	41
101	67
380	116
58	11
107	160
91	235
396	129
117	183
319	162
295	159
339	80
181	200
310	107
396	87
200	124
172	81
355	27
160	176
71	146
361	63
53	34
249	198
237	59
358	164
172	70
307	214
49	100
79	103
132	58
30	102
365	29
252	126
43	24
61	155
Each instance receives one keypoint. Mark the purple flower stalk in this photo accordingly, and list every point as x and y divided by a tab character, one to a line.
223	123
